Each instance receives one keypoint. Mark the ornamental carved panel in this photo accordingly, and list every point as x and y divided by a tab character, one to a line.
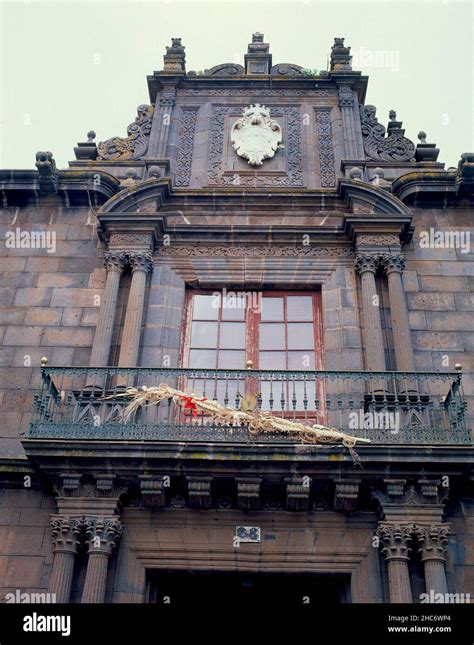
184	160
288	172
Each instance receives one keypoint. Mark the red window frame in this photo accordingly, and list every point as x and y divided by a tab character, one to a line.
252	341
253	320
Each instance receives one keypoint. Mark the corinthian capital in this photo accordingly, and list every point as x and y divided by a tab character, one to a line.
366	262
140	261
395	540
102	533
115	261
393	263
65	533
433	541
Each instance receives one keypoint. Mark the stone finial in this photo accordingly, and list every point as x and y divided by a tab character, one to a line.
355	173
175	58
425	151
341	59
258	59
394	126
87	150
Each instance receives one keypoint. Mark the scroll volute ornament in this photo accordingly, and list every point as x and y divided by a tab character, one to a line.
256	136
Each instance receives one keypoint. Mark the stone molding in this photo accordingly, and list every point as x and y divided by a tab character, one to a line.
204	250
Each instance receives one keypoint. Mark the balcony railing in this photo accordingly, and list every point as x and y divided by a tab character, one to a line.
385	407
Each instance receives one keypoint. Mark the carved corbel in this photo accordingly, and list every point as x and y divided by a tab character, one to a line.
199	491
153	494
346	494
248	493
297	493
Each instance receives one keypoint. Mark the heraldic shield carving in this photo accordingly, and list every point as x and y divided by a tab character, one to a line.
255	136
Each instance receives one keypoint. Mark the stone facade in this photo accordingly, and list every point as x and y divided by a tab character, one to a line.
142	221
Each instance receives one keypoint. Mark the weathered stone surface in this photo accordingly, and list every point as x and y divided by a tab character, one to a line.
431	301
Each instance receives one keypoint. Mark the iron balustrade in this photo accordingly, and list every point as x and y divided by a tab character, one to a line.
385	407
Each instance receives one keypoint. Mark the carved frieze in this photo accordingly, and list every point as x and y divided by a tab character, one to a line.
254	251
135	145
257	93
378	240
377	146
325	147
182	175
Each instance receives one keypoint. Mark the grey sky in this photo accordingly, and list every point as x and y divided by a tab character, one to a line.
71	66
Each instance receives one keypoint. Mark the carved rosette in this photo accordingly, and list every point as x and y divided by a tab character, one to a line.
102	534
395	540
393	263
140	261
433	541
115	261
366	262
65	533
135	145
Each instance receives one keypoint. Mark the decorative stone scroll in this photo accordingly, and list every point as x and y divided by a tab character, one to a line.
377	146
135	145
286	69
226	69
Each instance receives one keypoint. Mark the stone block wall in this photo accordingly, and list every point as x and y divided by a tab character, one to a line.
48	307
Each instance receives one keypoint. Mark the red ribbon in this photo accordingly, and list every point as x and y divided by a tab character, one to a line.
190	403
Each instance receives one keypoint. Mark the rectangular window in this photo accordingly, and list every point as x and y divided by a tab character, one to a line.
277	331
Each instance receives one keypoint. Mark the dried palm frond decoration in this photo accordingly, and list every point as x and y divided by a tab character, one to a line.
256	422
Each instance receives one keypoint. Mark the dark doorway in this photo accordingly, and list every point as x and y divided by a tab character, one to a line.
195	589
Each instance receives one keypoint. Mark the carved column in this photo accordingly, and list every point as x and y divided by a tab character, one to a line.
346	103
102	534
65	532
115	263
395	540
433	541
141	264
366	266
394	265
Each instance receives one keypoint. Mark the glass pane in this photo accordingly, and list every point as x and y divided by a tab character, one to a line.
301	360
205	307
203	358
299	308
232	335
272	361
300	336
204	334
231	360
272	336
233	308
272	309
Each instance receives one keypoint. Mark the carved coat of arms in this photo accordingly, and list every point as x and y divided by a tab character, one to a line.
256	136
